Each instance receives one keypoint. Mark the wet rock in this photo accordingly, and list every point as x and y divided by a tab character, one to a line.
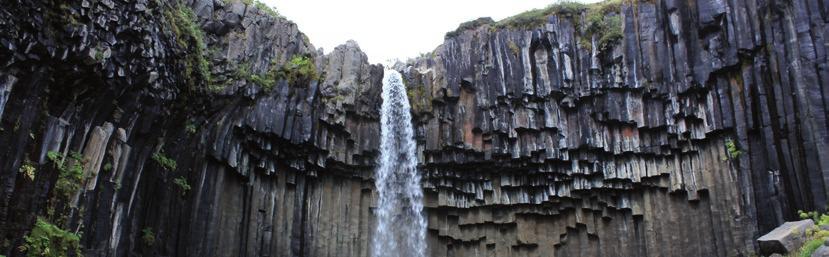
6	84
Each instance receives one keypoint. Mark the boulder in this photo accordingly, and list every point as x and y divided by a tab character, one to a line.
785	238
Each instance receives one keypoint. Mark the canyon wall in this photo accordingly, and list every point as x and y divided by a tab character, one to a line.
199	132
704	124
254	172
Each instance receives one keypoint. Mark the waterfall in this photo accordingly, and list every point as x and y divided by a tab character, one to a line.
401	227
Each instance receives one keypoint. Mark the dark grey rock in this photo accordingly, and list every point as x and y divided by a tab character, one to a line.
786	238
531	141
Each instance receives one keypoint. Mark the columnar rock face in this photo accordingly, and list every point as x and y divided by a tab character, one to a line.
702	126
279	172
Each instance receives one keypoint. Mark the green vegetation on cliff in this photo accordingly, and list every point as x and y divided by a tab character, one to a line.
48	240
734	152
70	177
300	69
182	184
266	80
267	9
537	17
46	237
470	25
259	5
165	162
190	37
602	20
418	98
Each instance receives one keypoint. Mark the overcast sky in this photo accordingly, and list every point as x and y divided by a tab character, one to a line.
387	29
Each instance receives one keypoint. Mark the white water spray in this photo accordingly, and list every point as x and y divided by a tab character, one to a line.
401	227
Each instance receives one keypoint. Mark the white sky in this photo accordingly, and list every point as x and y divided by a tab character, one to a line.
388	29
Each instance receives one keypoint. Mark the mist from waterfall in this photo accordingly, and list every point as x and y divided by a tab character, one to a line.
401	226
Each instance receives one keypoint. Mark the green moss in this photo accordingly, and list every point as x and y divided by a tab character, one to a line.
99	55
604	21
418	98
613	34
189	36
247	2
267	9
337	98
600	19
148	236
267	80
69	14
48	240
470	25
55	20
259	5
300	69
242	72
514	48
537	17
734	152
182	184
165	162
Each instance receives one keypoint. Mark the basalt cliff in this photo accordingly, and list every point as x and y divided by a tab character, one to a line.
214	128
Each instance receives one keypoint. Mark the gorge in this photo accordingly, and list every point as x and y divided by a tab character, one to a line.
215	128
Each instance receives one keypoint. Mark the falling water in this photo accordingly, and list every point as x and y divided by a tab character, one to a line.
401	227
